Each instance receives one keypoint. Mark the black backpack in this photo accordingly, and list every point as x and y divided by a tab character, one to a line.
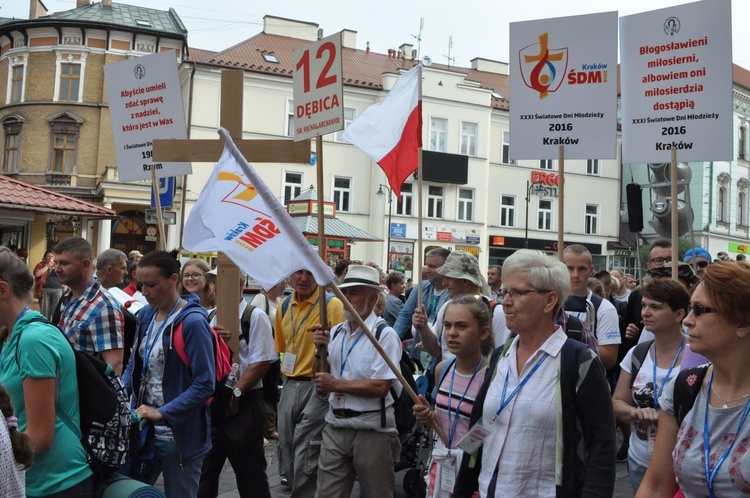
273	375
104	407
686	388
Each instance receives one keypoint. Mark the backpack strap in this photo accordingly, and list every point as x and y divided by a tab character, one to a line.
378	331
285	304
178	338
245	321
444	371
639	356
686	388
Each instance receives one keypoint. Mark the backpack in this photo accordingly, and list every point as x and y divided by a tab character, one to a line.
104	408
272	377
581	304
686	388
222	354
639	356
402	404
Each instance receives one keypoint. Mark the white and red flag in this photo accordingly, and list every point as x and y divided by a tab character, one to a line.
238	215
390	132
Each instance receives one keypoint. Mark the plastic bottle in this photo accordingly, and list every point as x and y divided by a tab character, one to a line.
232	377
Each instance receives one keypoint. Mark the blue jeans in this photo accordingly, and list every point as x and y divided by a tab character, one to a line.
178	482
84	489
636	473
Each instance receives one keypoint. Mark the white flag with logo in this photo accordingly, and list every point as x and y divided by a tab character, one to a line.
238	215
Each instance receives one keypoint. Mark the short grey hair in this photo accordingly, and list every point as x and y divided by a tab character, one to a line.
543	271
110	257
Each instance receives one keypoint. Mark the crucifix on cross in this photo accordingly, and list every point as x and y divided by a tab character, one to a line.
228	293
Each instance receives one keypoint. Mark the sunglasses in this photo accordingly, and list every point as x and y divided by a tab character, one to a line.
702	264
699	309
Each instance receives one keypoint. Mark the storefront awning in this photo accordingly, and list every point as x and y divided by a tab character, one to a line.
333	228
16	195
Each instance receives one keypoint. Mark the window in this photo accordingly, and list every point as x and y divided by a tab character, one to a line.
16	83
508	211
64	153
721	214
741	208
292	186
465	204
742	143
506	148
469	139
269	57
435	202
348	118
10	152
545	164
592	167
289	118
70	82
544	215
438	129
342	193
591	221
404	207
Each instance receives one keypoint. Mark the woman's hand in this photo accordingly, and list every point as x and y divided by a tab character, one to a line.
423	411
644	415
149	413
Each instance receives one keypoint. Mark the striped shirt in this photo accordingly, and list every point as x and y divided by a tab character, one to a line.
460	386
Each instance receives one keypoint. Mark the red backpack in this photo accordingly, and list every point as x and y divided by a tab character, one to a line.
222	354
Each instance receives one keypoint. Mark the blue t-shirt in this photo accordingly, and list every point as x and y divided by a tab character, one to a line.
45	353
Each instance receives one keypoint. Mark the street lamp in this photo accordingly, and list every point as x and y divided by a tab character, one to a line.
537	189
390	214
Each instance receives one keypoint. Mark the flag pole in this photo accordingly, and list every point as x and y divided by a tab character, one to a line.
322	363
394	368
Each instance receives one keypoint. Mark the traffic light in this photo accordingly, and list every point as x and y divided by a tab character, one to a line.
661	205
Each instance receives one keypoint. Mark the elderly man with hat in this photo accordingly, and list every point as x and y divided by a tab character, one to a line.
700	257
360	439
461	275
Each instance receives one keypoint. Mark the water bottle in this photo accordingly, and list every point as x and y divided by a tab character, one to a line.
232	377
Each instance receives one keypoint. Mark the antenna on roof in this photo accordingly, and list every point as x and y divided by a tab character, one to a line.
419	37
451	60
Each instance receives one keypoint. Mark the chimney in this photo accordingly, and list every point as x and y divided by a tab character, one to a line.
390	53
367	50
406	49
107	3
348	38
82	3
37	9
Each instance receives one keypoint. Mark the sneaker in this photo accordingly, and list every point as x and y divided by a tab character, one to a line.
622	453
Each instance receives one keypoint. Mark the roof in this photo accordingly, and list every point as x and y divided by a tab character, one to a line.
16	195
118	15
333	228
197	54
361	68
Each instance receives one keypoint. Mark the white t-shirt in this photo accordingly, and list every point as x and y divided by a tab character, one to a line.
12	477
607	322
500	332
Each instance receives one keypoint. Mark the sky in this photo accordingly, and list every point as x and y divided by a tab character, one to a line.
475	29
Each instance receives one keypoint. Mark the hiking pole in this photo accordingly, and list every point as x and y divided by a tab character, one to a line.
394	368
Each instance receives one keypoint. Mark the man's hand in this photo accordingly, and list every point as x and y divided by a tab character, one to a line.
325	383
632	332
322	337
419	318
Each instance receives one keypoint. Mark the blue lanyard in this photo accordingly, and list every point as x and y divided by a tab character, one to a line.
23	312
344	360
150	343
452	427
666	379
296	331
505	402
711	474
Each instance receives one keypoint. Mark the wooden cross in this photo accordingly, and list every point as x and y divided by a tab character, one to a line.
228	293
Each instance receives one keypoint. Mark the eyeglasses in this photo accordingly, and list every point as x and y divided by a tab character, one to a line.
702	264
193	276
660	261
699	309
516	293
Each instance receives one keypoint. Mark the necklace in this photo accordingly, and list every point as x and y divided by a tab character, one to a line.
726	402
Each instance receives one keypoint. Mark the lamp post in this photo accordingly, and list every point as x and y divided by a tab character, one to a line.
390	214
537	188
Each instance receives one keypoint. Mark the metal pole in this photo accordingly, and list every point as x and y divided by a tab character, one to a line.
390	214
528	198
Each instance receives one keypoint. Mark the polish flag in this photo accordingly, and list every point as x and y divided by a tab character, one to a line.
390	132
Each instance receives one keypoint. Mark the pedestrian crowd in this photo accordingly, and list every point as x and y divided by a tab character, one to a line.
529	368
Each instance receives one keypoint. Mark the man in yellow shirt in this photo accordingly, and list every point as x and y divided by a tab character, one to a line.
301	412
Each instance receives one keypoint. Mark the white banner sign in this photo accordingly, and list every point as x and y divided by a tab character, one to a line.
318	89
145	102
676	78
563	84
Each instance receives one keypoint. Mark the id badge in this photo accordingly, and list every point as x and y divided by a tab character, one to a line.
338	401
475	437
287	366
448	469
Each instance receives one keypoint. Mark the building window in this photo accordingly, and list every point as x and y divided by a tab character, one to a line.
342	192
506	148
544	215
289	118
64	153
592	167
722	211
742	143
465	204
508	211
469	139
10	152
434	202
16	83
742	208
438	129
404	207
348	118
292	186
545	164
591	221
70	82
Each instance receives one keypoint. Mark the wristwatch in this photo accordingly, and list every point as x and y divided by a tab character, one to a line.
237	392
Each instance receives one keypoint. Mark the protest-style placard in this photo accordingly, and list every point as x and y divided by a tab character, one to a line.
318	88
563	87
676	79
145	102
